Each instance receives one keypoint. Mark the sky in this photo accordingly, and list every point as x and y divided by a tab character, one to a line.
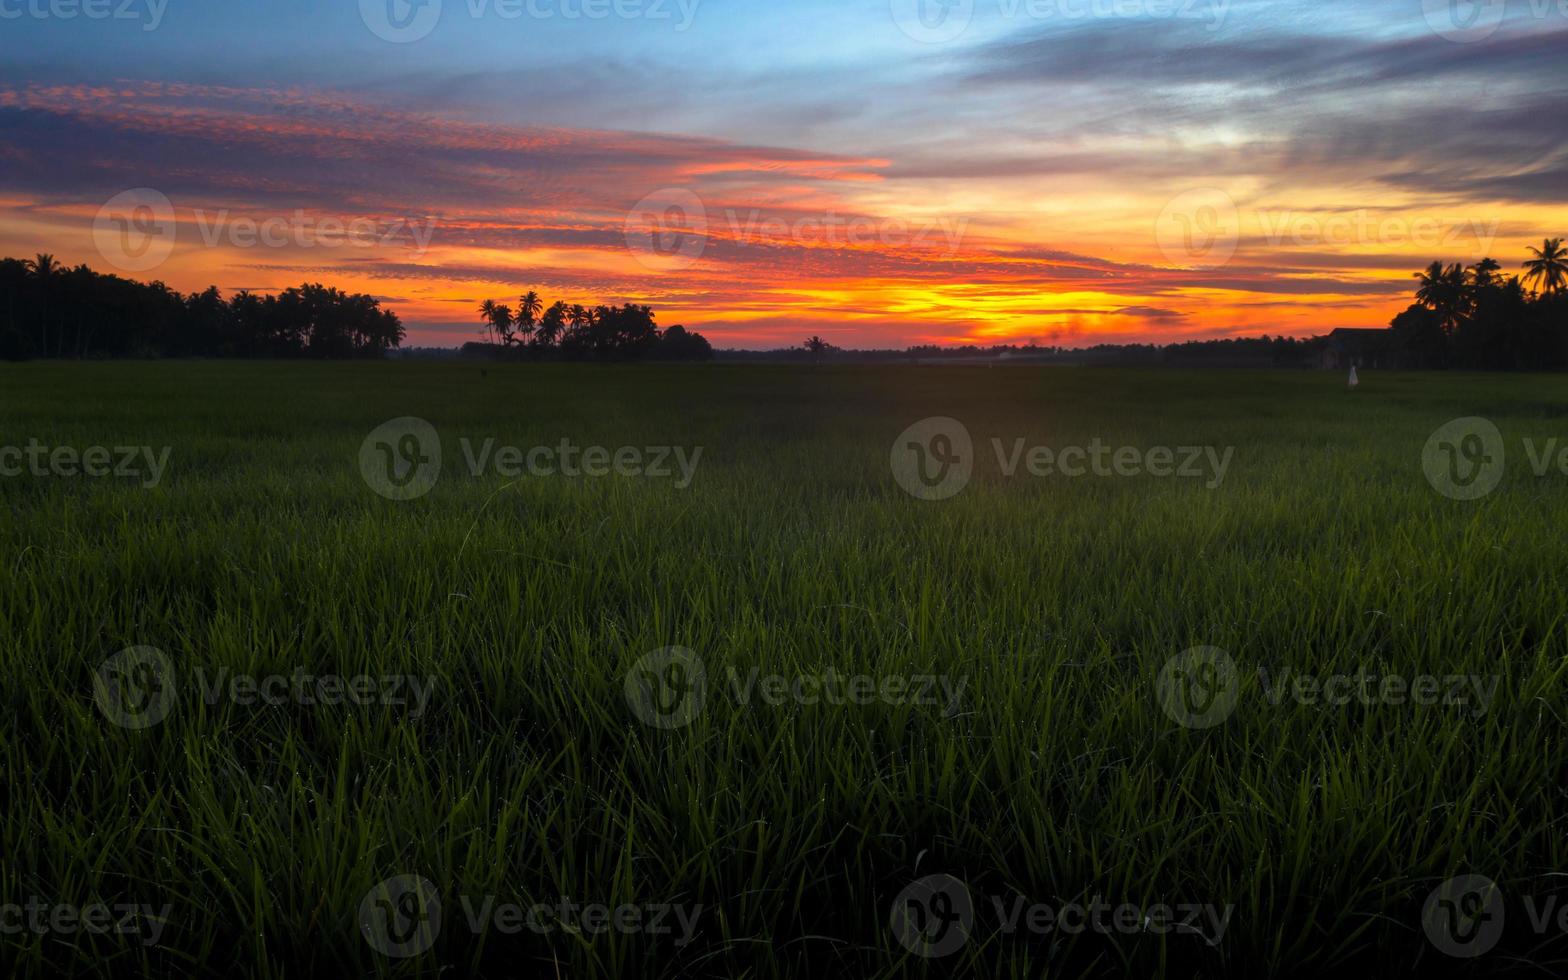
881	173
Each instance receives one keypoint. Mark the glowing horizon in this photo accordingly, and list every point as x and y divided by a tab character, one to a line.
1069	181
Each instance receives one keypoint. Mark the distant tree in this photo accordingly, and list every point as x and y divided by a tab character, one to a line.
1549	267
817	348
487	317
1444	290
43	269
551	325
1483	275
498	319
528	315
1474	318
679	344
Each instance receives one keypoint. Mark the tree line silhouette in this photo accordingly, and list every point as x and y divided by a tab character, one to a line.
1463	317
48	310
1474	318
580	333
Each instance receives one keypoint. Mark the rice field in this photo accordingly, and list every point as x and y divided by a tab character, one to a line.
418	669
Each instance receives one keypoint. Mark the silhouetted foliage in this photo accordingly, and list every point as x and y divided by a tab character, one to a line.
1475	319
47	310
578	333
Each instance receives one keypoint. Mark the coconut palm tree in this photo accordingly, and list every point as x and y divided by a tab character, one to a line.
43	269
1549	267
498	319
1484	273
1444	290
528	314
551	325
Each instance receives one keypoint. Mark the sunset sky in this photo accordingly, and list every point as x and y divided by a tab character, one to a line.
873	171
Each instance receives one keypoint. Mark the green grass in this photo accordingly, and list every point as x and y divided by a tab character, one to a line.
1056	776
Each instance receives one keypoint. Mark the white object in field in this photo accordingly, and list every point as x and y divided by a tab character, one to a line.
1354	381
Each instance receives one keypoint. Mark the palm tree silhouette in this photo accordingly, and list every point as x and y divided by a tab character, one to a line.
1549	267
551	325
487	317
1484	273
498	320
528	314
1444	290
43	269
